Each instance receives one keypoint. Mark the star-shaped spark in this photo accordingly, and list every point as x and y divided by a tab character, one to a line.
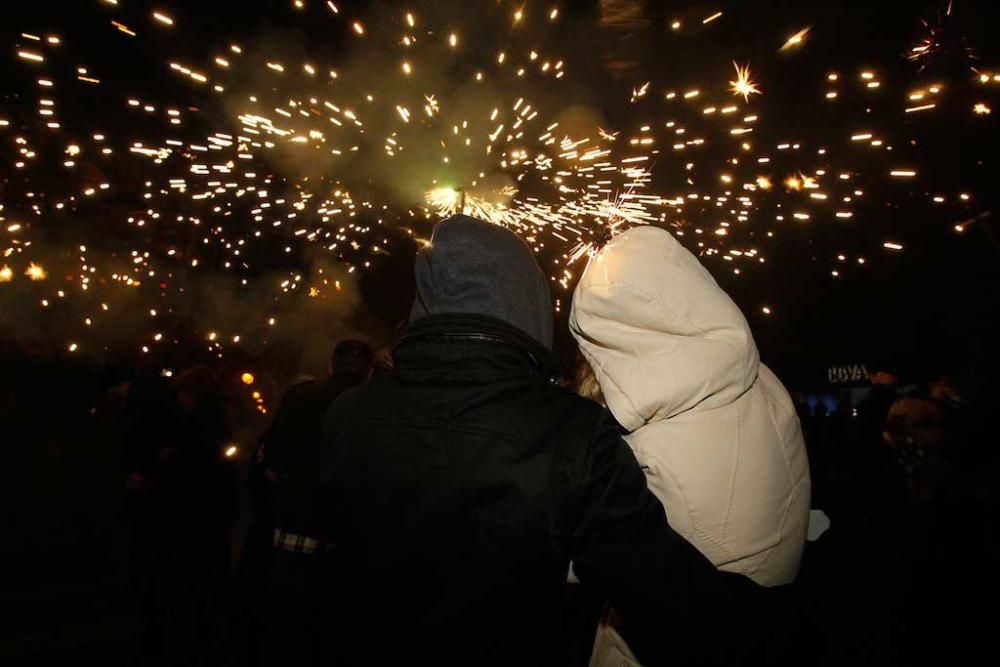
640	91
607	136
942	42
744	85
432	106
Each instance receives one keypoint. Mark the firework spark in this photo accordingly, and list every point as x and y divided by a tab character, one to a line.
798	39
744	85
270	160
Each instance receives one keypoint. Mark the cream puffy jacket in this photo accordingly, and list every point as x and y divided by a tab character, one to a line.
714	428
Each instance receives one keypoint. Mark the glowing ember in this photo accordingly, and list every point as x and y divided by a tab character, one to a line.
743	85
35	272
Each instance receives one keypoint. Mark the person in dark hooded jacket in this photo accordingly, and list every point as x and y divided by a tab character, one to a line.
456	490
291	628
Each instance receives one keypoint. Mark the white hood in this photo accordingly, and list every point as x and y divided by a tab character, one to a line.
714	429
662	336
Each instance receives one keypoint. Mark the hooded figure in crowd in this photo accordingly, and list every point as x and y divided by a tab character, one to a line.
714	429
457	489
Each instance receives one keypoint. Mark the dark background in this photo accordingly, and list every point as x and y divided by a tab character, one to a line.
924	311
929	310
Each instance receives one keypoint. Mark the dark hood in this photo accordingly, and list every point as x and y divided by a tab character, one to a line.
473	267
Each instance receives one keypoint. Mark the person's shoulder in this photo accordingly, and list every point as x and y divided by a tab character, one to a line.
590	422
359	401
571	402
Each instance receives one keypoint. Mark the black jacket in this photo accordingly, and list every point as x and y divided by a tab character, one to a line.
456	492
293	449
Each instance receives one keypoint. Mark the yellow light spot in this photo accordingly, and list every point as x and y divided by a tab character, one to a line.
247	378
743	85
163	18
35	272
796	39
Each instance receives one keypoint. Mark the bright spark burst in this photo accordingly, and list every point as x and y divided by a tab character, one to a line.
288	164
940	41
744	85
35	272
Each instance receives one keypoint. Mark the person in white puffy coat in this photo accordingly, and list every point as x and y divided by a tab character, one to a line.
714	429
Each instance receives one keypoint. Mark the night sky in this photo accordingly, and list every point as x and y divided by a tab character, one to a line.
925	310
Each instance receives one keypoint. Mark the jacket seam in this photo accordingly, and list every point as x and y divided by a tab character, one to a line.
732	479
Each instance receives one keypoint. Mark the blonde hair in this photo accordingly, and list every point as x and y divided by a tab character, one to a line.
585	381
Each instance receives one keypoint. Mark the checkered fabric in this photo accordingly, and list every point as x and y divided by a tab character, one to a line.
297	543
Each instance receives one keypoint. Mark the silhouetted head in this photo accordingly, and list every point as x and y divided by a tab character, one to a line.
352	359
196	387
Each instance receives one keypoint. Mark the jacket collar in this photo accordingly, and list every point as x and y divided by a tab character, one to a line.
466	347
